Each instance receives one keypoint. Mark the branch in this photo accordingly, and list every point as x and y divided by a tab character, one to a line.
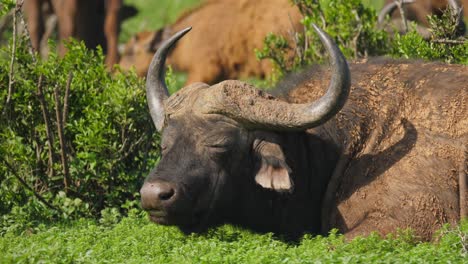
449	41
11	72
63	147
46	116
129	150
66	97
25	184
28	37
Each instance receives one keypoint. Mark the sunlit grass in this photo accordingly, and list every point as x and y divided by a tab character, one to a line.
135	240
153	15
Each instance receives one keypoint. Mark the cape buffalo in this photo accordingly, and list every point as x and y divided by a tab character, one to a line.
226	34
295	163
419	10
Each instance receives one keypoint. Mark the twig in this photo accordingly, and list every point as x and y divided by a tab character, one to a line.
449	41
66	97
358	34
25	184
28	37
63	147
129	150
295	38
11	72
46	116
306	42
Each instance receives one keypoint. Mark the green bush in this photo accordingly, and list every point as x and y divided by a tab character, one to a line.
354	28
444	44
413	46
349	22
109	141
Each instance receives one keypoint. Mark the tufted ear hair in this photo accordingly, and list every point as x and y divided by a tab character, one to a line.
273	173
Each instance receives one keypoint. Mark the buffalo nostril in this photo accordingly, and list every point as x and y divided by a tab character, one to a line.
157	195
166	194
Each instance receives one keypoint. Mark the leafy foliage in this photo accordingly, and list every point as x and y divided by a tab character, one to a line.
444	44
354	28
109	142
349	22
413	46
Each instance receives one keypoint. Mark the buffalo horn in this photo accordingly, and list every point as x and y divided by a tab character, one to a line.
156	89
257	110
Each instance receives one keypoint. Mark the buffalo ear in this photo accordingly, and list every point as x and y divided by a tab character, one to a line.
274	175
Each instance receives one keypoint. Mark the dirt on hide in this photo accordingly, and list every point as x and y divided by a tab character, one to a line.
403	132
222	43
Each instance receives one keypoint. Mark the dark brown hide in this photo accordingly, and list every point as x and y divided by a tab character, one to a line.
223	40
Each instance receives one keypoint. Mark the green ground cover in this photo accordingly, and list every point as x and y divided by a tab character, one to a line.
135	240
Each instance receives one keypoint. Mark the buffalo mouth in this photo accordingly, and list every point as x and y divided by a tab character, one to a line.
158	217
195	222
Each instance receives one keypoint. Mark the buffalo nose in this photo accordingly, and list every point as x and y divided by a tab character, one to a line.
157	194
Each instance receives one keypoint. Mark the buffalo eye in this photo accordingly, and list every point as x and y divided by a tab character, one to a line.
219	148
163	148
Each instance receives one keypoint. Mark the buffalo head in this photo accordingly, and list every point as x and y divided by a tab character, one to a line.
221	144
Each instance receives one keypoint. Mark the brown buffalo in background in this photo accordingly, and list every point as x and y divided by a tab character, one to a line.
222	43
419	10
96	22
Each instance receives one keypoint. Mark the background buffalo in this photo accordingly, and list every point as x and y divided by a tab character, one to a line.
225	36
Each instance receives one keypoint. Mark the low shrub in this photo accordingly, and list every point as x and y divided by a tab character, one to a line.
74	139
354	28
349	22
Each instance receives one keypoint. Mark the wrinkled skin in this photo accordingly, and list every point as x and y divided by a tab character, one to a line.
94	22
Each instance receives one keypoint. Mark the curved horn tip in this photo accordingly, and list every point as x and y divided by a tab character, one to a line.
339	87
156	89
